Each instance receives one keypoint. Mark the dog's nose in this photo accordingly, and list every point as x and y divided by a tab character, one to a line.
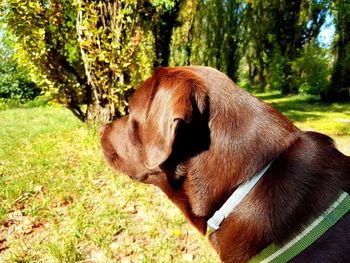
103	129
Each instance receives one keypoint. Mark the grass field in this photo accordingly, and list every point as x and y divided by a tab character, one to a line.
59	202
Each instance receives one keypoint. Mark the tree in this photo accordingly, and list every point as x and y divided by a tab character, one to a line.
216	35
297	22
14	79
209	33
108	35
340	80
182	36
162	23
88	54
277	32
47	46
311	71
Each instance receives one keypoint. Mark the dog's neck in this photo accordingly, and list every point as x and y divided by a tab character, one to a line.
234	200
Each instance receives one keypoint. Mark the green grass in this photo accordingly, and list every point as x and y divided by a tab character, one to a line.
59	202
309	113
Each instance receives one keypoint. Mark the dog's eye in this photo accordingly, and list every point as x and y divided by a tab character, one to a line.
114	156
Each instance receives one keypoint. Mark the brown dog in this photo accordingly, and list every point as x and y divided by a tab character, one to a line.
192	132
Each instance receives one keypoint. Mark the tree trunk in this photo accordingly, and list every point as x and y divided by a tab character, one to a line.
98	114
162	32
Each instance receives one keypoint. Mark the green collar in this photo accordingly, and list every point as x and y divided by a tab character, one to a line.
310	233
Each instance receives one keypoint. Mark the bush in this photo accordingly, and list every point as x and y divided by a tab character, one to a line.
312	70
276	67
14	80
39	101
14	87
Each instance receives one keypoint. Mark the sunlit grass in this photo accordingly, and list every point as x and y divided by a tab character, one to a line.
59	202
309	113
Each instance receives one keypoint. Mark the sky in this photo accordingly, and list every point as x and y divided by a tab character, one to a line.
327	32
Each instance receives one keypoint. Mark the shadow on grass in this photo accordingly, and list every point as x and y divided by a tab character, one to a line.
297	116
304	108
269	96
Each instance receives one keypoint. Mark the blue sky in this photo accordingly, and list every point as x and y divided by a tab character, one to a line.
327	32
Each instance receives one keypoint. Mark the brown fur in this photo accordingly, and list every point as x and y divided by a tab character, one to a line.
192	132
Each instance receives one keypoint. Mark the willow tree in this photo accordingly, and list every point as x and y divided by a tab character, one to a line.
277	32
217	34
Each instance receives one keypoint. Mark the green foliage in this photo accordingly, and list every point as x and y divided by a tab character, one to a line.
120	41
209	34
108	35
275	65
91	55
182	37
312	70
46	44
14	81
144	60
161	23
277	33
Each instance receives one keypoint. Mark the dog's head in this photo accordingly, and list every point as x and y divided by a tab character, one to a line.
142	141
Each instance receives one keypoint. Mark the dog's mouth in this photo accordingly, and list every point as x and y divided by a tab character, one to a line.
118	165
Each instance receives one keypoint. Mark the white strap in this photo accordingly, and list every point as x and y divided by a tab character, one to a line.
236	197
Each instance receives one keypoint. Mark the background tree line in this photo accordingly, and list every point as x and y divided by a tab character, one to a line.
90	55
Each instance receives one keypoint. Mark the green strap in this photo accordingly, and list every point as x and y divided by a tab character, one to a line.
310	233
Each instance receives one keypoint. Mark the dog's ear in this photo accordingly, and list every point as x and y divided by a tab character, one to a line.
174	101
